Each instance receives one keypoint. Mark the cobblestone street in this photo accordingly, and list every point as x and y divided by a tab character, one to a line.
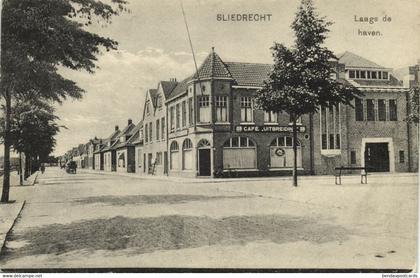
93	220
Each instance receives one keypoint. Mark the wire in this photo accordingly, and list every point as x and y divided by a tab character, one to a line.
192	49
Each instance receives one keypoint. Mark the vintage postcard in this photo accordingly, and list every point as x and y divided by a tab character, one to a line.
209	135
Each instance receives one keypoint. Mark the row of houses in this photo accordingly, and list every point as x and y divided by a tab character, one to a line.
208	125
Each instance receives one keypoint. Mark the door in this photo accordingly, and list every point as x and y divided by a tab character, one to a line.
165	163
204	162
377	157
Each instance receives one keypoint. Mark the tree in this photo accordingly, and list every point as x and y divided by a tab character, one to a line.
39	36
300	81
414	104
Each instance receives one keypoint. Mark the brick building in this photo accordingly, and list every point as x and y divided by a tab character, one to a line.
207	125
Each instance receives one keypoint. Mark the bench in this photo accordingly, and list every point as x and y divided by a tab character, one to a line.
339	170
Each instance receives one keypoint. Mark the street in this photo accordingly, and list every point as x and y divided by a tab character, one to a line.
108	220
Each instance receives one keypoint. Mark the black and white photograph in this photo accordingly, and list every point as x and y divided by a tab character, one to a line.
209	136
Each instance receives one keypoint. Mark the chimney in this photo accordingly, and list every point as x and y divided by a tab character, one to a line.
116	128
130	121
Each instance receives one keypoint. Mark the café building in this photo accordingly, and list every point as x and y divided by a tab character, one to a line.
208	125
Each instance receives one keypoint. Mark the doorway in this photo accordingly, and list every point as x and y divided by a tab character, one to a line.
204	162
165	163
377	157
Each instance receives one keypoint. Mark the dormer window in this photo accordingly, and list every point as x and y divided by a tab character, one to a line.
368	74
122	139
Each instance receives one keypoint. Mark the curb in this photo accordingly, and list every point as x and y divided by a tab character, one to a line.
3	244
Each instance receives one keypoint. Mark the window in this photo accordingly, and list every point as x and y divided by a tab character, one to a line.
374	75
178	116
368	75
146	132
158	160
148	107
184	114
351	74
174	150
121	160
352	157
246	109
330	128
392	110
187	155
204	109
162	124
381	110
401	155
139	155
191	111
281	152
221	109
384	75
370	110
363	74
172	115
150	132
239	153
157	129
379	74
357	74
270	117
358	109
159	101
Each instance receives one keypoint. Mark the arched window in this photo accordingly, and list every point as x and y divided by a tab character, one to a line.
203	144
187	155
174	150
281	152
239	153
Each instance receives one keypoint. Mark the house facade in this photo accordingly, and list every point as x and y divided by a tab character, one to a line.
108	153
214	128
125	156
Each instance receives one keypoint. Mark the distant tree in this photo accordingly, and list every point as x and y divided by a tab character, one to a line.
300	80
39	36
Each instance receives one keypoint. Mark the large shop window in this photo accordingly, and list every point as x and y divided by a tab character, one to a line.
247	109
239	153
174	149
330	127
281	153
204	109
187	154
221	109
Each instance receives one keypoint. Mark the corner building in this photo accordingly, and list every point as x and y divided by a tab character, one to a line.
208	125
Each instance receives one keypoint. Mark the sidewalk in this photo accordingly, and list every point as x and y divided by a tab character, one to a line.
9	212
330	179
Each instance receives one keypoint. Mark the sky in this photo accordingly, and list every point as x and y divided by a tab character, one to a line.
153	46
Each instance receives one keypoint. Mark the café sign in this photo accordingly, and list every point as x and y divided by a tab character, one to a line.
268	129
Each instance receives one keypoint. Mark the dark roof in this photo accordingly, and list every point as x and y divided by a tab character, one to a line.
167	87
213	67
249	74
180	88
353	60
127	131
135	138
